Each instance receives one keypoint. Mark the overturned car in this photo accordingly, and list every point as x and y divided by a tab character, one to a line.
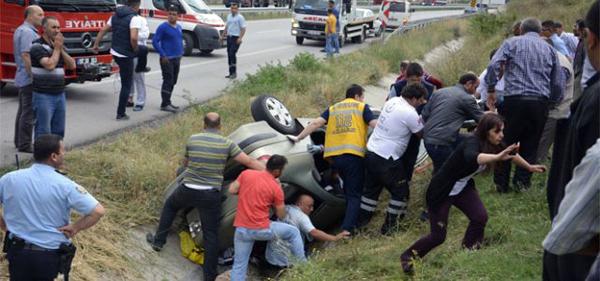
305	173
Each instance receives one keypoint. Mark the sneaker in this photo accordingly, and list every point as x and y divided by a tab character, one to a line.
407	266
231	76
147	69
138	108
174	106
122	117
150	240
169	108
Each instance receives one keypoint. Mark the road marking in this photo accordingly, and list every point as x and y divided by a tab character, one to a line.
269	31
186	66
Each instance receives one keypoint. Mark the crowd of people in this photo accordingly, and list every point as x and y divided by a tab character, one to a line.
42	60
538	92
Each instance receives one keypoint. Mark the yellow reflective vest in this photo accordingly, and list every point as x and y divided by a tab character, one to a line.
346	129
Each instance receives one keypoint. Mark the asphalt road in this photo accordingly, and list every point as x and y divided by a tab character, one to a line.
91	107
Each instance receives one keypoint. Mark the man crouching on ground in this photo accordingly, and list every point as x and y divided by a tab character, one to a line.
298	215
258	191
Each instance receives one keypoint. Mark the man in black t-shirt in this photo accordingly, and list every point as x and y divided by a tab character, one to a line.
48	62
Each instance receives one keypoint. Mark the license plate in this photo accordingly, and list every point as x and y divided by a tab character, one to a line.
314	32
87	60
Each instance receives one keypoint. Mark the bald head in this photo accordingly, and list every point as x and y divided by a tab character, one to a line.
212	120
306	203
34	15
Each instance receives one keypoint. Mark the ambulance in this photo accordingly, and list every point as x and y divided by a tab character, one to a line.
201	26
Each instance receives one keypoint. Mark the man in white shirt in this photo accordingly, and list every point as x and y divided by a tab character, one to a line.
139	64
482	90
398	121
298	215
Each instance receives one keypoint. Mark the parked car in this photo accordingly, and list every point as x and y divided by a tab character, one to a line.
305	172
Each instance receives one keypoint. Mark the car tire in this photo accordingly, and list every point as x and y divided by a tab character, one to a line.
271	110
188	44
299	40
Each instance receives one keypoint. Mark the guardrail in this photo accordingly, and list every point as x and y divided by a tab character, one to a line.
418	24
372	7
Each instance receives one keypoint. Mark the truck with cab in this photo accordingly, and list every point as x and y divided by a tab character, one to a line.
80	21
308	21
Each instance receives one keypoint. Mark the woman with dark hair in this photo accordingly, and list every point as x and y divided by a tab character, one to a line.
453	185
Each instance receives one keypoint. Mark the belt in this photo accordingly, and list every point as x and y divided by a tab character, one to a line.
527	98
37	248
201	187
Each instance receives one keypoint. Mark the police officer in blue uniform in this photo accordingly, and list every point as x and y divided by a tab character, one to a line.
36	206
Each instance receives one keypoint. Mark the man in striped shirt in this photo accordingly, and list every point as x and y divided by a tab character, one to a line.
205	159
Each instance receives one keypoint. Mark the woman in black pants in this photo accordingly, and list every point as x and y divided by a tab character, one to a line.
453	185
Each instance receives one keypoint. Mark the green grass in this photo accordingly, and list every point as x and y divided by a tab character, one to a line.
128	173
517	225
518	221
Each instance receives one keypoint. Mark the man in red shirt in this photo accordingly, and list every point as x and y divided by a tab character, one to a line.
258	192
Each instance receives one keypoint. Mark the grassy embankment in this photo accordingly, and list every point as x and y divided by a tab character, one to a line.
518	221
128	173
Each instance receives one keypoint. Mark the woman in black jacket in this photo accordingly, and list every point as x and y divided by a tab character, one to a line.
453	185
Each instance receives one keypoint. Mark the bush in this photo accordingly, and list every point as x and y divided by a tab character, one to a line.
305	62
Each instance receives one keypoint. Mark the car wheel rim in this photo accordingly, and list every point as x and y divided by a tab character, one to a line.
279	112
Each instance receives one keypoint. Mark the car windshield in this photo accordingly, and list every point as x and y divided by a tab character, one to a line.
311	4
397	7
198	6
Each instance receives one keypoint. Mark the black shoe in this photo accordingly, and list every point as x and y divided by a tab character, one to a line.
122	117
169	108
130	104
424	216
501	189
150	240
407	266
390	224
231	76
27	149
147	69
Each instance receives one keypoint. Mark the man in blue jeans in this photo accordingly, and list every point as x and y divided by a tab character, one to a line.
168	42
258	192
205	157
48	62
444	115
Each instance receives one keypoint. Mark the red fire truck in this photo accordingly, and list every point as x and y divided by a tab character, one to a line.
80	21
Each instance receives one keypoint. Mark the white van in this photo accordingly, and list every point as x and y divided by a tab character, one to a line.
201	26
394	13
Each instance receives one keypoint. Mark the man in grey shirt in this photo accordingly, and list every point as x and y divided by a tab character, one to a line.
22	38
298	215
444	115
